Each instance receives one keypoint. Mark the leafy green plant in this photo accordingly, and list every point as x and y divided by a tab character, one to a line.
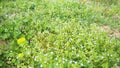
56	34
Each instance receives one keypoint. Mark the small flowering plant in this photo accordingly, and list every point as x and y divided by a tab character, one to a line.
57	34
21	41
20	55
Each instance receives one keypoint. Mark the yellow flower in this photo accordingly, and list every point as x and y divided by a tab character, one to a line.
47	0
84	1
60	0
21	40
20	55
116	14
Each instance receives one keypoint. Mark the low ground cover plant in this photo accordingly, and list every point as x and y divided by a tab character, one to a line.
57	34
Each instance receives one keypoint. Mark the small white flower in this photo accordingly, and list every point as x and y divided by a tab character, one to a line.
71	61
108	54
41	66
77	55
75	62
79	40
82	64
102	57
57	64
32	56
71	39
31	67
56	58
88	61
28	52
45	54
45	62
9	58
63	58
82	46
35	59
105	49
63	61
73	47
55	48
52	52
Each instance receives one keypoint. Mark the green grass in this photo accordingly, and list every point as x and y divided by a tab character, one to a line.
58	34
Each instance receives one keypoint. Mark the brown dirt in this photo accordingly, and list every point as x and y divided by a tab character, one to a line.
114	33
106	28
2	43
116	17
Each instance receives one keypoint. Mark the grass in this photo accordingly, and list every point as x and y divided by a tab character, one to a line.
58	34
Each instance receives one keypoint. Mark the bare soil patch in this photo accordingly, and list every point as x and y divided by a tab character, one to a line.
114	33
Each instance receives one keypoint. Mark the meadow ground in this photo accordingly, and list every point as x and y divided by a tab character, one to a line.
59	33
